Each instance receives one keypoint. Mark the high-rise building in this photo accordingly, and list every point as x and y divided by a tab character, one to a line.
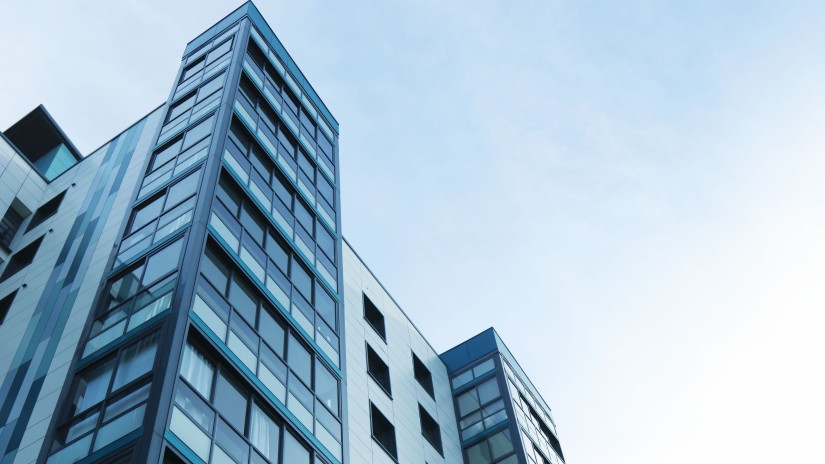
184	294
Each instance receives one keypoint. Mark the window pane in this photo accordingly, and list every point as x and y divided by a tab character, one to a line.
325	305
183	189
92	386
271	331
136	360
162	262
125	287
326	387
197	370
230	402
197	133
195	407
294	451
468	402
277	252
300	360
145	214
500	444
243	299
263	433
303	282
488	391
253	223
216	272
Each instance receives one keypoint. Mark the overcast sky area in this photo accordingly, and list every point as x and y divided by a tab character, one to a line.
631	192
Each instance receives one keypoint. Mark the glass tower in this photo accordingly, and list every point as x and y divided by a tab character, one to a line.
180	295
214	336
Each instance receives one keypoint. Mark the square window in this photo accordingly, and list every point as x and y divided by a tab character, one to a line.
46	211
383	431
423	376
378	370
430	429
374	317
21	259
5	305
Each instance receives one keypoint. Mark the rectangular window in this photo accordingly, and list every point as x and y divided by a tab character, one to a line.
378	370
46	211
383	432
10	224
423	376
21	259
374	317
5	305
430	429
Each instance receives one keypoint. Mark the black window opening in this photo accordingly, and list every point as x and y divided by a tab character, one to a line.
430	429
423	376
383	432
46	211
375	318
378	370
5	305
21	259
10	223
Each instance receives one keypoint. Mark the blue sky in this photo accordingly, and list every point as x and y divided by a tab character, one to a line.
630	192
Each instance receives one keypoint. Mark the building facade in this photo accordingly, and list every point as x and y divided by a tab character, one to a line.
184	293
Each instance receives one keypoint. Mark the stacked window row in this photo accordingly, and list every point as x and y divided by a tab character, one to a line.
273	263
205	63
279	197
258	116
254	331
267	61
108	401
177	155
480	408
135	296
284	103
158	217
222	421
496	449
534	422
192	106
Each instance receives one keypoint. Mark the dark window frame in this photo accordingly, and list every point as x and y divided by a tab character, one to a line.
371	315
423	375
430	429
385	434
22	258
379	370
46	211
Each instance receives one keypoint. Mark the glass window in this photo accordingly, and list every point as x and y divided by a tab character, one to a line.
276	249
326	387
303	282
181	106
197	133
146	213
162	262
303	215
294	451
211	87
272	330
324	304
92	386
374	317
300	360
264	433
383	431
230	402
46	211
229	195
197	370
215	271
183	189
253	223
242	298
166	153
136	361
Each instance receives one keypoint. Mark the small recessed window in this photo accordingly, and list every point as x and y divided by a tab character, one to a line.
423	375
5	305
378	370
46	211
21	259
11	222
430	429
383	432
374	317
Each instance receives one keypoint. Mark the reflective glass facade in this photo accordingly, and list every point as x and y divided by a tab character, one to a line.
201	305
